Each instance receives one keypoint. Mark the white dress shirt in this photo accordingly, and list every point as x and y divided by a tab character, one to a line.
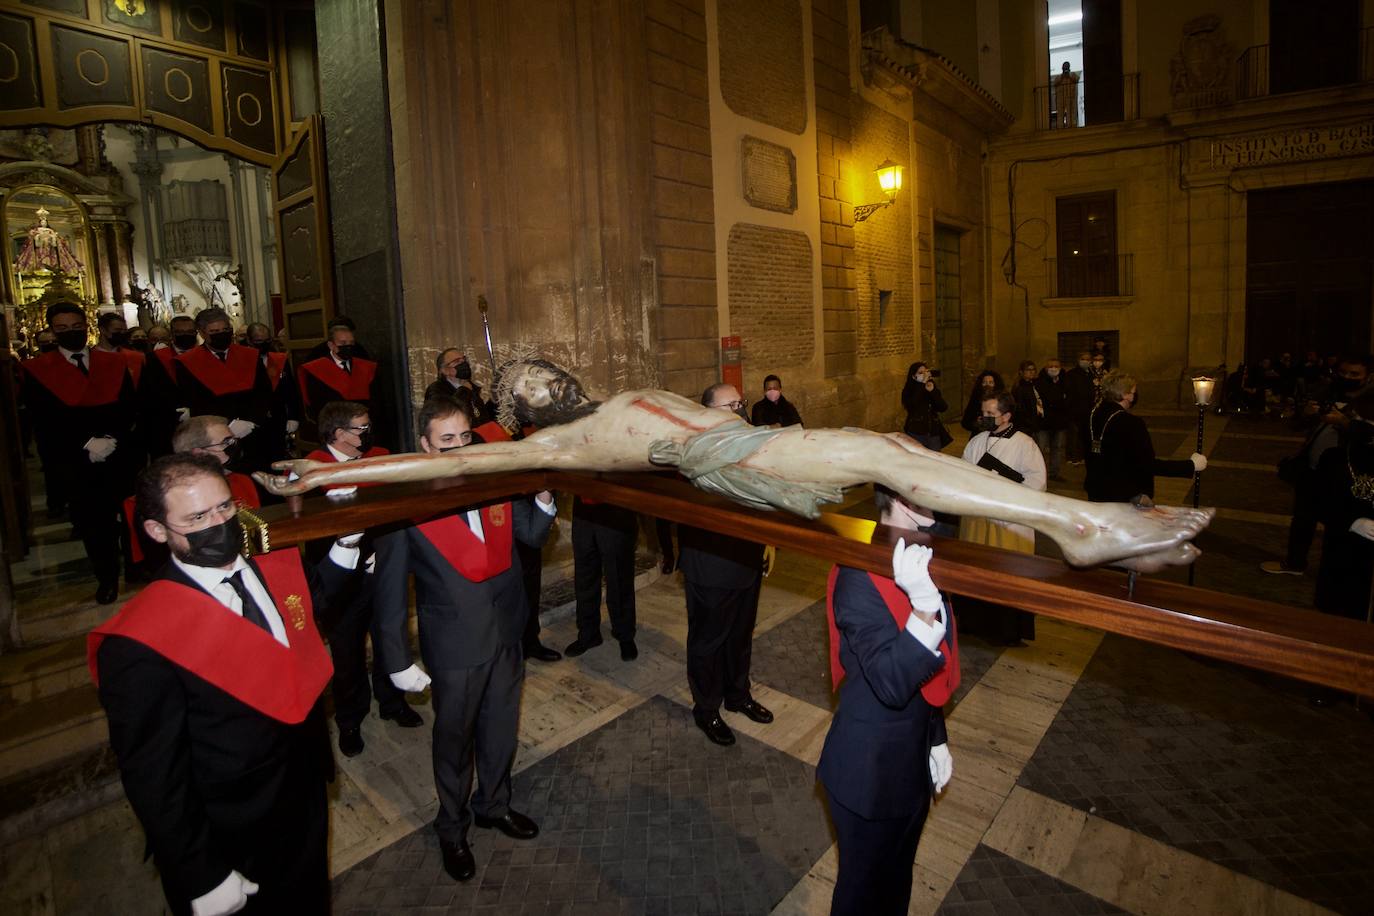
212	581
70	356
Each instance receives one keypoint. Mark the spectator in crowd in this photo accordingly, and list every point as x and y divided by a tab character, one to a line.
455	378
1030	413
924	404
1121	458
1100	351
1004	450
1054	425
774	409
1079	396
988	382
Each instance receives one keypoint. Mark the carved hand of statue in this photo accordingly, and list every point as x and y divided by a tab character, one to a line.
294	478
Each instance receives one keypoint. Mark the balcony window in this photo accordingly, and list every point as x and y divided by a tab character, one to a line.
1087	265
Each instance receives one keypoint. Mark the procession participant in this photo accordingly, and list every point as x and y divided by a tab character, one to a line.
346	431
322	348
790	468
455	375
159	338
286	396
340	375
470	601
723	576
227	379
894	659
213	716
84	411
138	340
1121	462
603	542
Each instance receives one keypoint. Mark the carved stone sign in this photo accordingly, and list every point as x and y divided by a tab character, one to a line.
1296	145
770	175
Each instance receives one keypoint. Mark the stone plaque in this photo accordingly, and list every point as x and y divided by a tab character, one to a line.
1294	145
769	175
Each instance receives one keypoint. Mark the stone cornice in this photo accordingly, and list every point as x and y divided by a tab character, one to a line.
921	71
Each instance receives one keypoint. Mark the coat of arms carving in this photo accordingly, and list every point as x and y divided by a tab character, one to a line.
1201	73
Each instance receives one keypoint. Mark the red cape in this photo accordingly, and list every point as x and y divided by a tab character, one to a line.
276	367
475	560
324	454
74	388
194	631
939	688
136	361
350	386
237	372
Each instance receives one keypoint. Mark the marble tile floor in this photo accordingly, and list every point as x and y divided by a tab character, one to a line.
997	841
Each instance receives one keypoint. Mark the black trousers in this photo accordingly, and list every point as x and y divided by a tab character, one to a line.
720	643
476	716
96	491
348	647
603	541
532	572
1303	528
876	858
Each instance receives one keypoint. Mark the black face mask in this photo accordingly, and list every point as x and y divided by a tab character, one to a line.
365	441
74	339
47	347
233	456
344	352
119	339
220	340
214	547
987	424
263	346
140	345
463	371
184	341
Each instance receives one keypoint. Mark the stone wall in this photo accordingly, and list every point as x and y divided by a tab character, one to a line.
882	243
839	297
770	298
762	73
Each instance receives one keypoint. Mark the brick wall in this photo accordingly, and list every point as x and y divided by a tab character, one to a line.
830	45
882	243
681	202
770	297
762	72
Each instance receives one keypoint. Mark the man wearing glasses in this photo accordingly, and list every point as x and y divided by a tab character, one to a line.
723	577
346	431
470	601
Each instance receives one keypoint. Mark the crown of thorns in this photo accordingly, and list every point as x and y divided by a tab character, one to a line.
503	387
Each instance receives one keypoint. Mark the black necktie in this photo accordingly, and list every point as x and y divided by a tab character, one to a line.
223	357
80	360
252	612
348	366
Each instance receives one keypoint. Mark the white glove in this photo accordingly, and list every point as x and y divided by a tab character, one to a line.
411	680
98	448
1199	462
371	563
941	766
1364	527
242	428
292	426
230	897
349	540
183	414
910	569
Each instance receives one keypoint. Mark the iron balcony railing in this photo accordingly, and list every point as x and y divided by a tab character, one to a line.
1086	102
1091	276
1258	74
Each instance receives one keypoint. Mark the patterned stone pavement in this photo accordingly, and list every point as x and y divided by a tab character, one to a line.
1230	765
995	884
641	816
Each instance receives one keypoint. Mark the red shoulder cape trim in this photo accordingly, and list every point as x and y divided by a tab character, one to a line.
276	367
942	685
67	383
236	373
350	386
474	560
136	361
194	631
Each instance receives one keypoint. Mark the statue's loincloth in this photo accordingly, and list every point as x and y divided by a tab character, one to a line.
713	461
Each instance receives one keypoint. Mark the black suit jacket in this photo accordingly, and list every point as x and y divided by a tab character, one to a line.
462	623
207	775
1126	466
876	756
717	560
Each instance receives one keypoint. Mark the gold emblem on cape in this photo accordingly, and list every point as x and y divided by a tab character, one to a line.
498	515
295	607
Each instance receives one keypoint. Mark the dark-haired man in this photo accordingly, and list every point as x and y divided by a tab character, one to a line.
227	379
774	409
455	376
469	595
723	576
339	375
210	679
346	432
84	410
286	395
114	338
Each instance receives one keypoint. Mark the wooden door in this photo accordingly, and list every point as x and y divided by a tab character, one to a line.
304	245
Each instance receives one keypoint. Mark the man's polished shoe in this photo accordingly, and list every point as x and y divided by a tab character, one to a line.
715	729
628	650
404	717
514	824
106	592
458	861
753	710
580	645
542	653
351	742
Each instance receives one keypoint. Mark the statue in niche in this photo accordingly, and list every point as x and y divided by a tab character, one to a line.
1200	74
761	467
1066	97
46	249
